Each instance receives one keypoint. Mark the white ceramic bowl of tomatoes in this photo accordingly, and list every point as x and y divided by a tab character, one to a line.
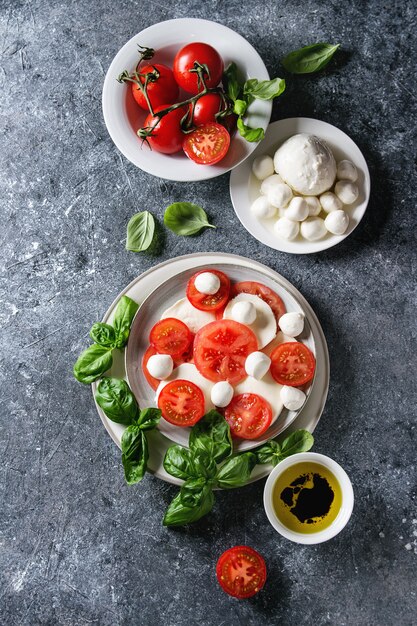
168	152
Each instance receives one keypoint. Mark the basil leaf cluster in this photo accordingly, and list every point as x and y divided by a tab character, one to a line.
274	452
309	59
98	358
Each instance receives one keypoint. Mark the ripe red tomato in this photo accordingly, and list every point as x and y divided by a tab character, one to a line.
292	364
207	144
181	403
241	572
170	336
164	89
205	108
229	122
203	54
166	136
221	348
248	416
263	292
209	302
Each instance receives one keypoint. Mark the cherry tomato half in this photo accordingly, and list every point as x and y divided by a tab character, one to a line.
241	572
166	136
209	302
262	291
181	403
292	364
248	416
203	54
164	89
207	144
170	336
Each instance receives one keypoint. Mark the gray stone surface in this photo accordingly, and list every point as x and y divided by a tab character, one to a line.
78	546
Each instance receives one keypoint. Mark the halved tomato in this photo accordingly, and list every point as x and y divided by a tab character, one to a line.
241	572
207	144
209	302
292	364
263	292
153	382
221	348
181	403
248	416
170	336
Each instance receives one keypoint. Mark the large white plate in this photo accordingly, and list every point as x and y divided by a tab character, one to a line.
244	187
140	288
123	117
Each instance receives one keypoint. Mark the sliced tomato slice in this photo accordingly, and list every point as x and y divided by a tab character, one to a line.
209	302
292	364
153	382
241	572
221	348
248	416
181	403
263	292
207	144
170	336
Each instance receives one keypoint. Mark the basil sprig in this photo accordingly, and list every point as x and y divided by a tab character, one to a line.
98	358
309	59
140	231
185	218
274	452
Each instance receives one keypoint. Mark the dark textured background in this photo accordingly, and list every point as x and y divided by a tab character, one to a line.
78	546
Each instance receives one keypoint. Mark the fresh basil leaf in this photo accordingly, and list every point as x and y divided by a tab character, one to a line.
212	434
310	58
103	334
195	500
264	89
123	318
236	471
248	133
134	454
178	462
92	363
240	107
148	418
298	441
231	82
268	452
185	218
204	464
117	401
140	231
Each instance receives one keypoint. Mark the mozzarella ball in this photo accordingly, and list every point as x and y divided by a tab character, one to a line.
346	171
221	393
297	209
257	364
346	191
269	183
207	283
286	229
280	195
337	222
330	202
314	206
160	366
313	228
262	208
292	398
244	312
291	324
263	166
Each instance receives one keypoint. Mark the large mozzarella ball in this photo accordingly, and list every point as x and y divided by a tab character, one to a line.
160	366
306	163
330	202
291	324
314	206
313	228
257	364
244	312
280	195
263	166
297	209
292	398
346	191
337	222
286	229
269	183
207	283
221	393
346	171
262	208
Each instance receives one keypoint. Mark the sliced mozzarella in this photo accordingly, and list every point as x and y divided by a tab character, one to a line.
280	338
188	371
265	324
267	388
194	318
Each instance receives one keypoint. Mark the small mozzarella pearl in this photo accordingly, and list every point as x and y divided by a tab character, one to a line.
280	195
337	222
262	208
244	312
291	324
297	209
286	229
207	283
270	182
346	171
160	366
330	202
221	393
263	166
313	228
346	191
314	206
257	364
292	398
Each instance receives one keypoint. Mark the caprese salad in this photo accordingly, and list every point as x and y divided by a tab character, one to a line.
232	347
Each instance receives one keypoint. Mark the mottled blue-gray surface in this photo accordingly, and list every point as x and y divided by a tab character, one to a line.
77	545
